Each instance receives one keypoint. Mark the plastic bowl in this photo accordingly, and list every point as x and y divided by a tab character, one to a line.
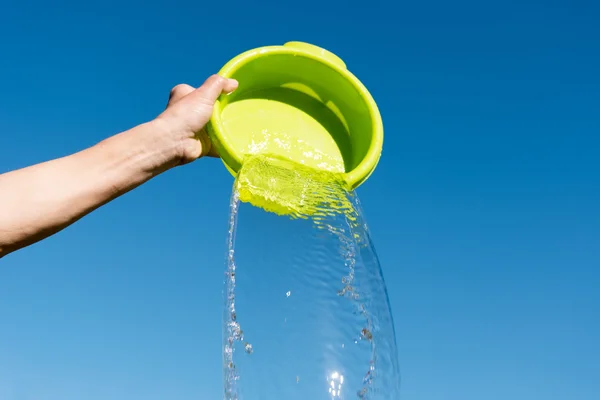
298	101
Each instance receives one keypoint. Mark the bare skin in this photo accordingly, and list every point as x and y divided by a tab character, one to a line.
40	200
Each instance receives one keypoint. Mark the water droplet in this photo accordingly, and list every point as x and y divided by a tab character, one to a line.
297	379
362	393
236	331
288	293
366	334
248	348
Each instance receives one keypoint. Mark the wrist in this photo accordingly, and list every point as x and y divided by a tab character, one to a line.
136	155
162	142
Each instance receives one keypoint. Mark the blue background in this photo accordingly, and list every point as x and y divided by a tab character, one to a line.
484	209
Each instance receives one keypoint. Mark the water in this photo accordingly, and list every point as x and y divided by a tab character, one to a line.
306	308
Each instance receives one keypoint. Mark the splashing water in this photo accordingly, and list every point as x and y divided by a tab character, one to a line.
306	308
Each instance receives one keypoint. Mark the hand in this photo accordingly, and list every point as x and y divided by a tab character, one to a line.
187	113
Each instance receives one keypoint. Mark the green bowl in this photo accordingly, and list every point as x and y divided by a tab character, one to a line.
299	102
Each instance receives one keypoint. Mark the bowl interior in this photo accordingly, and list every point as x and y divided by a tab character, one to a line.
299	108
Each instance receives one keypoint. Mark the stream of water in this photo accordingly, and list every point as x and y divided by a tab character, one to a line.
306	308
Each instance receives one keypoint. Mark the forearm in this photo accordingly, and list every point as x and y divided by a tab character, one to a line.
38	201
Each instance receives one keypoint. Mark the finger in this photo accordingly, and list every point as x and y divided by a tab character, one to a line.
212	88
205	144
179	92
208	149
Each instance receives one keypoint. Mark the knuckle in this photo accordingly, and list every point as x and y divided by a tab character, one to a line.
205	102
178	88
216	78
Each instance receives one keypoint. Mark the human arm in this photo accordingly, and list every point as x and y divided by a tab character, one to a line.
40	200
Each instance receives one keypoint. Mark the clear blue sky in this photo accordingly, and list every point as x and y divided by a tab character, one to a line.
485	208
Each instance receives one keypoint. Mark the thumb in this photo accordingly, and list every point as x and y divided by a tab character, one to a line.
211	89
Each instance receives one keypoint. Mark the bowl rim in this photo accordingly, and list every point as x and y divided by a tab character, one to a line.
233	161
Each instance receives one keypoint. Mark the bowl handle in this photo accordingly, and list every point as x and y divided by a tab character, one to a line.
318	51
